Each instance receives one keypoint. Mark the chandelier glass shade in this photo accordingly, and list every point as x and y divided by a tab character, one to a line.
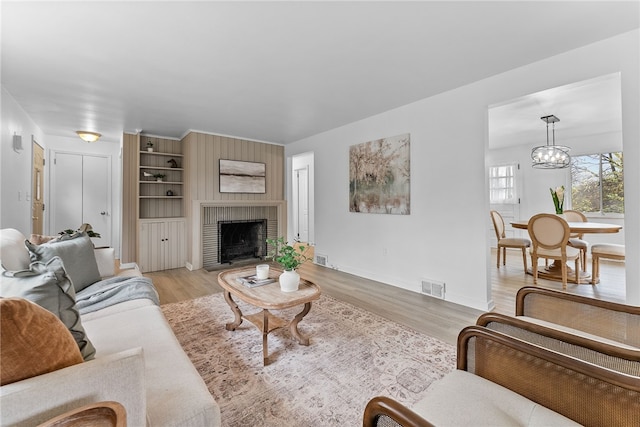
88	136
550	156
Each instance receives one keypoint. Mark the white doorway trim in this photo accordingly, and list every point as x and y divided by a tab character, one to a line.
302	197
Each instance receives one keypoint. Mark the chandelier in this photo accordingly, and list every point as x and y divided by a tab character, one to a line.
550	156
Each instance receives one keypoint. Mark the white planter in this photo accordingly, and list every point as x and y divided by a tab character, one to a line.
150	149
289	281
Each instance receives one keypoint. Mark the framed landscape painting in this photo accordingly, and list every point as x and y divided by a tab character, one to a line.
242	177
379	176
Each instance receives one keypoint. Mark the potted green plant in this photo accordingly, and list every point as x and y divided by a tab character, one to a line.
83	228
290	258
149	146
159	176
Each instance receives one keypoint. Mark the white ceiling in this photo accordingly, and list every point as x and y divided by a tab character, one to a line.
270	71
586	108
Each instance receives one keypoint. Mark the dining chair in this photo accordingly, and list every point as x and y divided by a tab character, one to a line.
601	251
575	239
550	240
508	242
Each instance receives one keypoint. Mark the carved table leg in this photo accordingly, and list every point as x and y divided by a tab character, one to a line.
293	326
236	311
265	333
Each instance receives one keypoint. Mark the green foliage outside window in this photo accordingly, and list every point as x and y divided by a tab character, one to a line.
597	183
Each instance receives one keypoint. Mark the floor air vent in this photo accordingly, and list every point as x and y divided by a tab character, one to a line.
433	288
321	259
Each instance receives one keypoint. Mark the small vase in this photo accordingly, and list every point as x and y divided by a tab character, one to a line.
561	215
159	179
289	281
150	149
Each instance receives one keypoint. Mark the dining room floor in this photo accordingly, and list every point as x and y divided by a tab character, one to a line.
506	280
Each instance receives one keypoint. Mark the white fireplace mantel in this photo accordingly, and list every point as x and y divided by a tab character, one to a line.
197	210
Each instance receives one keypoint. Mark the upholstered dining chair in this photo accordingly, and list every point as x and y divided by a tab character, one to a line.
550	240
508	242
575	239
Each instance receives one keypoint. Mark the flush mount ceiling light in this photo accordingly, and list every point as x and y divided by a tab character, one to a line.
550	156
88	136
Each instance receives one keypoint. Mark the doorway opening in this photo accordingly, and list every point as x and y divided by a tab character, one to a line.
302	198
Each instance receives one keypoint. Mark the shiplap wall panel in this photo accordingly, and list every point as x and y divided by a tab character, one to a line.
208	153
187	152
129	197
202	154
201	171
205	152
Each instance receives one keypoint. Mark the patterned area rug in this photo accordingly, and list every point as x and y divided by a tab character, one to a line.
353	356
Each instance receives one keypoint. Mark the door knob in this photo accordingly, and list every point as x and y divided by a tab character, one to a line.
103	213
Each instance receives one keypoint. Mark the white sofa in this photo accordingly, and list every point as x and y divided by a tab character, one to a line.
138	363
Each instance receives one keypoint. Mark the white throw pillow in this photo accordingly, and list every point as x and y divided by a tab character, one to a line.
13	254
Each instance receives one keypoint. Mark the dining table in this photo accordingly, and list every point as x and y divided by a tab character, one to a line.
554	270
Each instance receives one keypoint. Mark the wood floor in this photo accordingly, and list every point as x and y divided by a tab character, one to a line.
437	318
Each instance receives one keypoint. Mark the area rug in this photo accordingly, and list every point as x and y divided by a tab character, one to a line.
353	356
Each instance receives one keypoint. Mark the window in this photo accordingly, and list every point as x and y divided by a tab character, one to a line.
502	184
597	184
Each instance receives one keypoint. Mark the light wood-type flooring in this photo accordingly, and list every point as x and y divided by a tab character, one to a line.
437	318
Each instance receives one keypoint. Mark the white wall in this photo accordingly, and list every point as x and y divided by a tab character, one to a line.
15	180
445	237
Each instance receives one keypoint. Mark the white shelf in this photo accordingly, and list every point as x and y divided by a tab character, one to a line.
161	197
161	182
157	153
164	168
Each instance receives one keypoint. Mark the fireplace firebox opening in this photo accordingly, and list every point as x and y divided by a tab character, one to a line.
242	240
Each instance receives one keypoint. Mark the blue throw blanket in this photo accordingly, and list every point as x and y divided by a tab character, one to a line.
113	291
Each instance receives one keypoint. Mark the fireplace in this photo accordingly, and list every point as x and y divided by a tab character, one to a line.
208	213
241	240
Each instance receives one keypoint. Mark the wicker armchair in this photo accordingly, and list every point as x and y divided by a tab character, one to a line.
581	391
594	350
605	319
383	411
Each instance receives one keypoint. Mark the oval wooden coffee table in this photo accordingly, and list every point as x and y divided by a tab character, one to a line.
267	297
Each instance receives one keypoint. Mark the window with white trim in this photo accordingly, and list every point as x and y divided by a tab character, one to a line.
597	183
502	184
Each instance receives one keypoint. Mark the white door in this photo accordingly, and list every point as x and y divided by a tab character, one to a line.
66	192
301	204
37	204
504	191
81	193
96	196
